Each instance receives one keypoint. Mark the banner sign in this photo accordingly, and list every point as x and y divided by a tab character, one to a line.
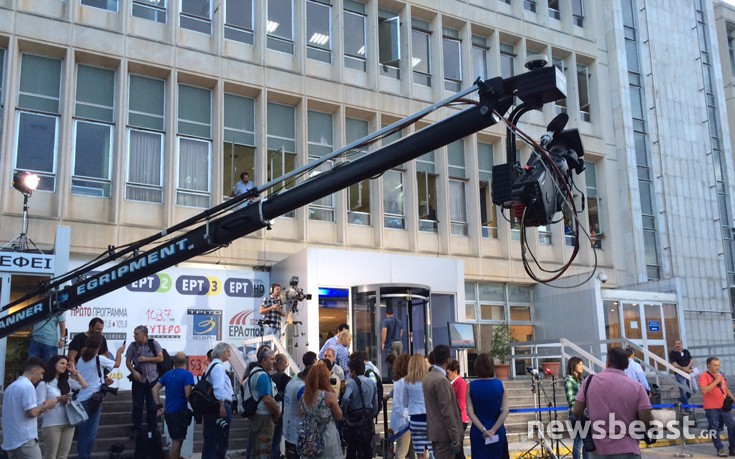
29	263
184	309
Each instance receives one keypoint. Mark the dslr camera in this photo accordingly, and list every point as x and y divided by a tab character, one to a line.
104	388
222	423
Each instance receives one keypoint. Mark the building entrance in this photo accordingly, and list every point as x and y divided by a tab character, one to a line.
410	306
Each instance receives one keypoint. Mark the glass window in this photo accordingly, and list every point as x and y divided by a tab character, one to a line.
358	195
109	5
593	206
507	60
470	312
529	5
281	146
583	79
239	141
578	12
452	56
153	10
37	133
560	106
146	106
321	143
280	25
488	215
196	15
554	9
491	292
239	21
319	31
519	293
492	312
426	179
421	58
393	200
389	43
355	21
480	50
193	187
457	191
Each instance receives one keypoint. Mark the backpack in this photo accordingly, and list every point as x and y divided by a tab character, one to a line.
249	403
148	445
168	362
202	399
373	376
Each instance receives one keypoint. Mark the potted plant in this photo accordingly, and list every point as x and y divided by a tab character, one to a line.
552	365
500	350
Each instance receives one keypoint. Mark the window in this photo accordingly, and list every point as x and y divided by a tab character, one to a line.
731	53
153	10
193	187
554	11
583	79
457	183
529	5
109	5
578	12
196	15
321	143
560	106
358	195
280	26
488	215
355	21
421	58
239	21
38	118
319	30
480	57
393	200
145	140
452	60
93	126
281	146
507	60
426	183
389	43
593	206
239	142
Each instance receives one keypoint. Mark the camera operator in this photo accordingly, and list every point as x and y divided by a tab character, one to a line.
272	311
141	359
93	368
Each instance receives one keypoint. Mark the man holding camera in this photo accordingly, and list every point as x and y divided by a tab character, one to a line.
717	400
612	395
272	311
141	359
216	427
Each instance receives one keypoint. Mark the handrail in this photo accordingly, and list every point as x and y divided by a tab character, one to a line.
292	365
658	373
591	358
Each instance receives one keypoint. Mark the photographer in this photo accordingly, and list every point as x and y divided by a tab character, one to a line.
715	395
141	359
216	427
93	368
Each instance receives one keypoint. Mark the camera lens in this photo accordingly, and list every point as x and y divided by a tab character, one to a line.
222	423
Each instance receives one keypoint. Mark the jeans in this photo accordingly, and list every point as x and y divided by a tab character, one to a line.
718	419
277	434
42	351
216	440
578	451
87	432
142	393
683	395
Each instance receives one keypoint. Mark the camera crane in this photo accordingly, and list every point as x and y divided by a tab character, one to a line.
535	193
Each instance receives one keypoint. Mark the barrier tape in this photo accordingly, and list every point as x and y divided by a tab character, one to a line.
396	436
564	408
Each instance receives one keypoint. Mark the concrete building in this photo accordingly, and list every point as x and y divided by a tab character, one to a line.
138	114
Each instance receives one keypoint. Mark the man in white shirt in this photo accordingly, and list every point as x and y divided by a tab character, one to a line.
20	410
635	371
217	438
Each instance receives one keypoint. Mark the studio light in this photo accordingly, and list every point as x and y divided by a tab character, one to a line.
25	182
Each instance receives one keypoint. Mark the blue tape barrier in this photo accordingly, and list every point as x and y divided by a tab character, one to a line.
564	408
398	435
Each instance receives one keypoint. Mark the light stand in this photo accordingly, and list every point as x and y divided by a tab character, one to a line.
546	449
26	183
556	414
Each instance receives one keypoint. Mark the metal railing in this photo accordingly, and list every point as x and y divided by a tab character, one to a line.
274	342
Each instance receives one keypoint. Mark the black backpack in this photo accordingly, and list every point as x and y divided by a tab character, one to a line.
373	376
202	398
168	362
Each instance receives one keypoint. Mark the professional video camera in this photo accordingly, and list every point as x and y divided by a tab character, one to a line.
294	294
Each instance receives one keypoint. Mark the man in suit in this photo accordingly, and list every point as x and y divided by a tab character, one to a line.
443	420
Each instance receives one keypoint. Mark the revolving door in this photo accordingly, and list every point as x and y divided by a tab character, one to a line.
410	305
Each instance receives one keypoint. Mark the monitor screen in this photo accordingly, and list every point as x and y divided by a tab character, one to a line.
461	336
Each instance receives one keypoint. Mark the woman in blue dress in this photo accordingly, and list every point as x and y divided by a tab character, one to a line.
487	408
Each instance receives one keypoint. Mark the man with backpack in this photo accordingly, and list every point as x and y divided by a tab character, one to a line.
142	359
216	427
359	405
260	388
178	383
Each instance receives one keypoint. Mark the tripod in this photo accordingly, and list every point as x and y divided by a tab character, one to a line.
22	243
537	433
556	416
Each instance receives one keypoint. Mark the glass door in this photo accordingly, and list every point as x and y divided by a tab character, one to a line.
655	331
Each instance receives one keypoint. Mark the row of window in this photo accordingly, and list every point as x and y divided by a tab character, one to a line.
38	118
